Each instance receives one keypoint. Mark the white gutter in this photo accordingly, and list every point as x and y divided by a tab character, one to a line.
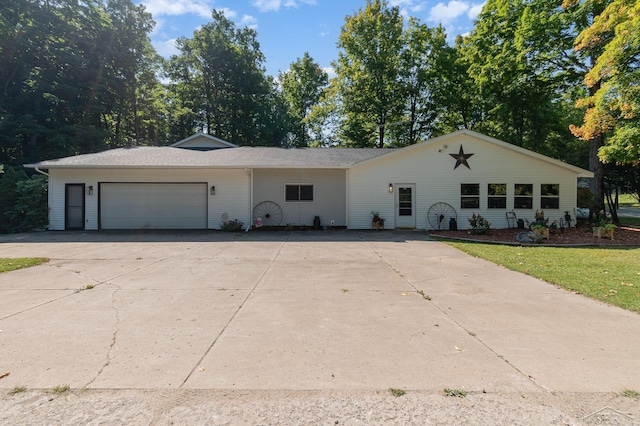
40	171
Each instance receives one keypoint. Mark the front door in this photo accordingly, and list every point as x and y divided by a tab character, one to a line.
74	206
405	205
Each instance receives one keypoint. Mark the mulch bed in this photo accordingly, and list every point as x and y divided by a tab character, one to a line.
623	236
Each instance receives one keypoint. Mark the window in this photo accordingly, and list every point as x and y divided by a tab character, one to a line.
549	196
497	196
299	193
470	195
523	196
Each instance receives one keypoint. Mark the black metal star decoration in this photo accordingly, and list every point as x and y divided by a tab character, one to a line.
461	158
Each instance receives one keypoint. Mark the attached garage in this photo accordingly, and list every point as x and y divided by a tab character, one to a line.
137	205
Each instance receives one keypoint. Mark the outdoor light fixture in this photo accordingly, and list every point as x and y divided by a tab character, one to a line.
390	188
90	190
213	190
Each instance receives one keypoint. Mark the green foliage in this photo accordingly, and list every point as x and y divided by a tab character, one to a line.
232	226
613	106
23	202
459	393
31	211
9	197
77	77
479	225
367	69
218	84
396	392
11	264
302	87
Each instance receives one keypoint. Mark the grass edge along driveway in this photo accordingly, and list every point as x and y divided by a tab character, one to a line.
611	275
11	264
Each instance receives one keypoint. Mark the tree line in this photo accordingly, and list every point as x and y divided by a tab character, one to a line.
557	77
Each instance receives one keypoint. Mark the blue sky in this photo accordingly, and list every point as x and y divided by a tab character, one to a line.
289	28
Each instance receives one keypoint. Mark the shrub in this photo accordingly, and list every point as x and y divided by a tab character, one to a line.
479	225
231	226
30	211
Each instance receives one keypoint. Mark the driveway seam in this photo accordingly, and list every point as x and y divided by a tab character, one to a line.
471	334
235	313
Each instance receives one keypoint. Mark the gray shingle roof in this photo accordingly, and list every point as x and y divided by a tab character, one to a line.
255	157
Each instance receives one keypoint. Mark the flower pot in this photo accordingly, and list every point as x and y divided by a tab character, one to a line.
603	233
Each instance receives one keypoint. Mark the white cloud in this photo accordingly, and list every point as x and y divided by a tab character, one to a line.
475	10
165	48
228	13
274	5
248	21
447	13
331	72
179	7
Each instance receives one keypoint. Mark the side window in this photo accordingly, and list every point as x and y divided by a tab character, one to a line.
550	196
523	196
470	195
497	196
295	193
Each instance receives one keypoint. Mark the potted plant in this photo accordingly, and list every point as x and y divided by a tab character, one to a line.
479	225
541	225
376	221
603	228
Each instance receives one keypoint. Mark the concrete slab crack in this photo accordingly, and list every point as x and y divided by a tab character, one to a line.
453	320
235	313
114	336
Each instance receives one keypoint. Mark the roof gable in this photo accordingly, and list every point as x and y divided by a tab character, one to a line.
448	138
203	142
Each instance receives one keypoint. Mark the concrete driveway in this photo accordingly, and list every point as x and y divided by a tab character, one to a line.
297	310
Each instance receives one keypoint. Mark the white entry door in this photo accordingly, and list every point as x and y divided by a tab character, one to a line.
405	205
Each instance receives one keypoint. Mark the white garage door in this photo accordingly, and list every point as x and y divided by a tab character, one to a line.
153	206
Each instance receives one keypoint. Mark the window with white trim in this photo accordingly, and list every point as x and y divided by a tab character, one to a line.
497	196
299	193
523	196
470	195
549	196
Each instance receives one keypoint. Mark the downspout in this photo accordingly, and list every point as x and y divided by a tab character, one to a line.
41	172
48	195
347	198
250	200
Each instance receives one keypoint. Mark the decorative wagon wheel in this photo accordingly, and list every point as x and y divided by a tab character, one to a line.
268	212
439	215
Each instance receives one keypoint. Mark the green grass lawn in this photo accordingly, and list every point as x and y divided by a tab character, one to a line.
611	275
628	200
11	264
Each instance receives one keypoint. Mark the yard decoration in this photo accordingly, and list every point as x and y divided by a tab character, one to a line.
377	222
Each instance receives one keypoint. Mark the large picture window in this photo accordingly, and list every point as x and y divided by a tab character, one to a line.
550	196
470	195
497	196
298	192
523	196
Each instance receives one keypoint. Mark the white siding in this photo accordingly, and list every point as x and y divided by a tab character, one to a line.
437	181
329	197
231	197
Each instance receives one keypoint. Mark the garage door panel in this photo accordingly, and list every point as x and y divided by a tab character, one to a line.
153	205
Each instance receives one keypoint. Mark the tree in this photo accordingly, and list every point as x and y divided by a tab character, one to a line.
69	74
521	55
367	71
218	85
613	107
9	197
302	85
